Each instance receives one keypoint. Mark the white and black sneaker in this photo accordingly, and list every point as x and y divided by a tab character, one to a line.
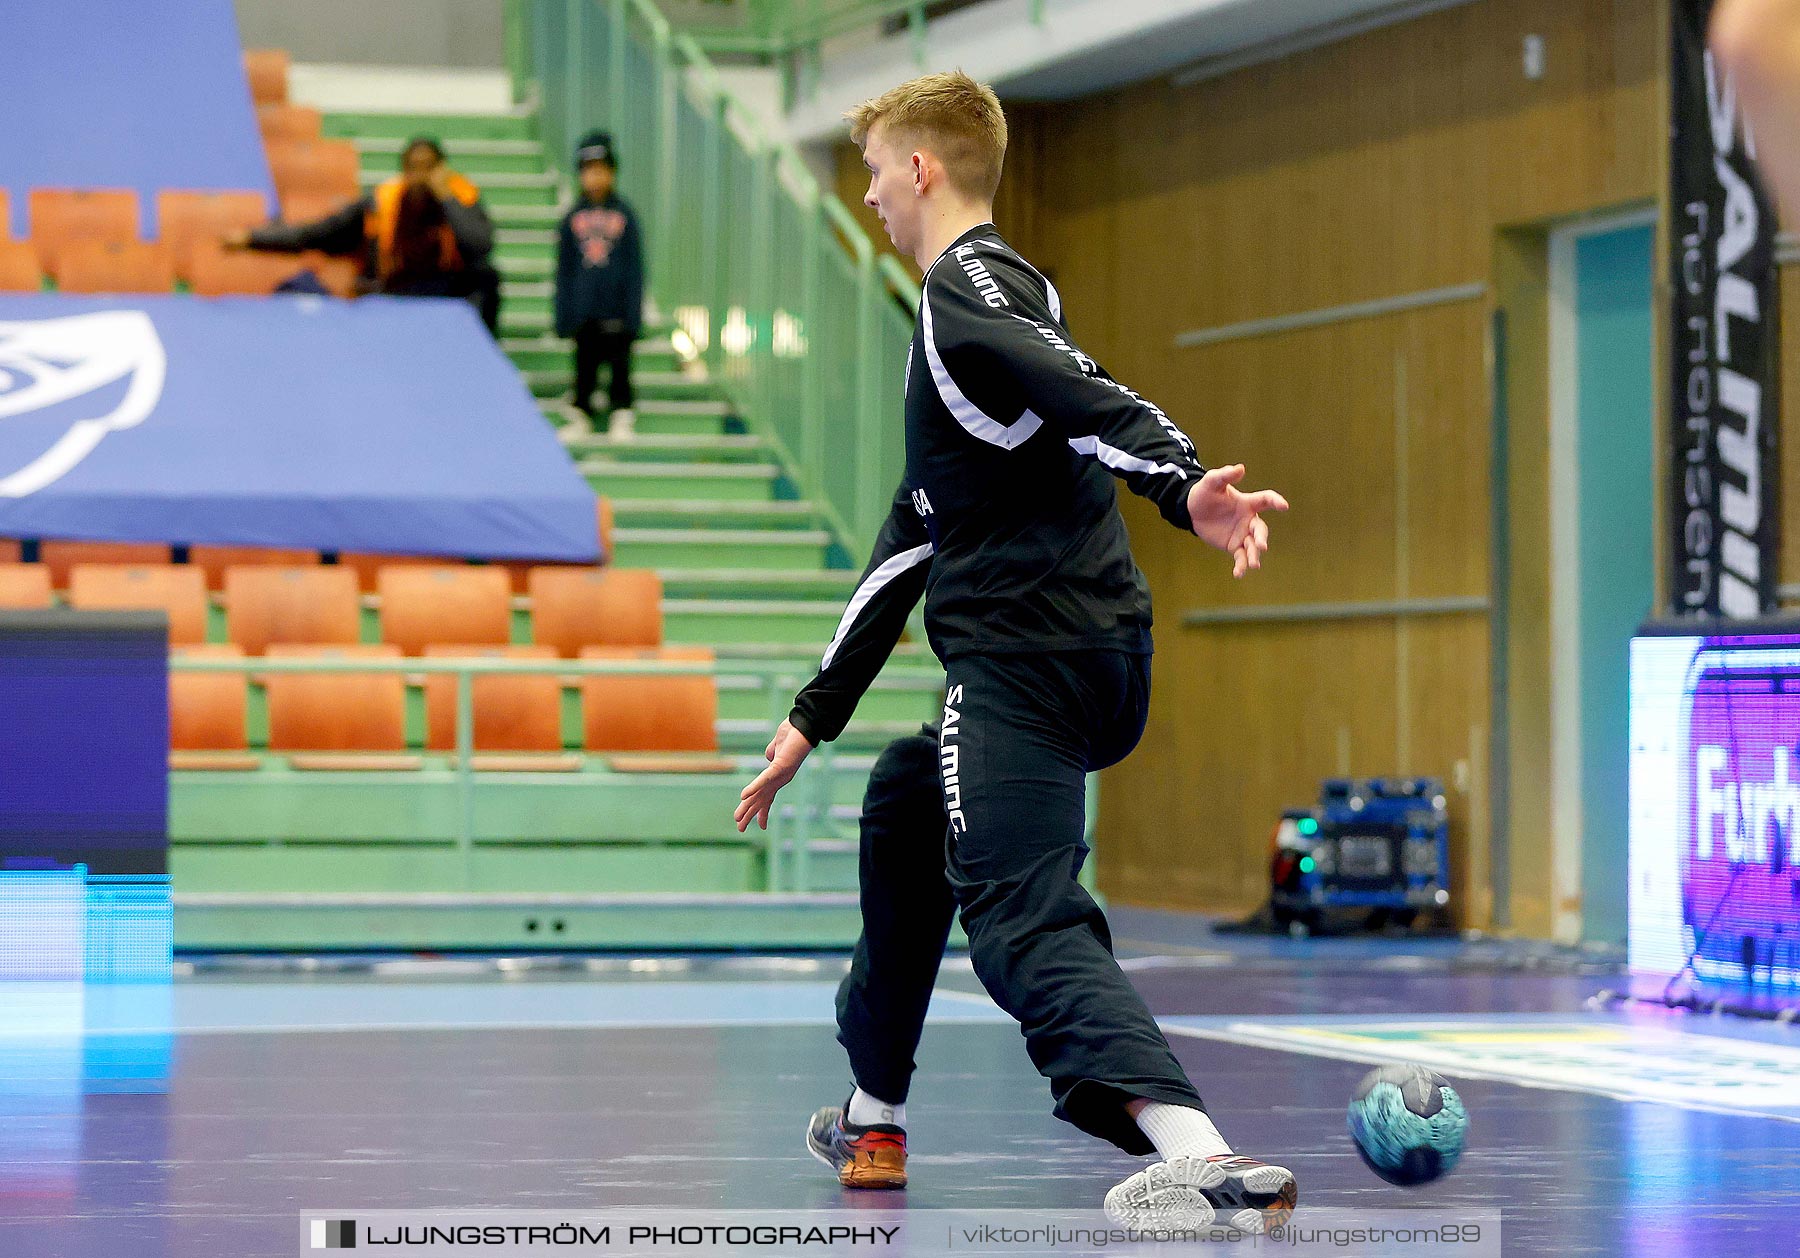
1224	1190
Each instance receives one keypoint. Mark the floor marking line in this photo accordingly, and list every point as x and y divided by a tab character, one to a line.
1344	1052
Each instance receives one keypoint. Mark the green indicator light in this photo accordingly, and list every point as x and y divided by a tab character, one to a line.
1307	865
1308	826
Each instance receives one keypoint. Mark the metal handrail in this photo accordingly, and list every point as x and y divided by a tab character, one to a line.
749	254
778	683
782	27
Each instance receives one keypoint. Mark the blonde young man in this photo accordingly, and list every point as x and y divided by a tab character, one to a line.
1007	522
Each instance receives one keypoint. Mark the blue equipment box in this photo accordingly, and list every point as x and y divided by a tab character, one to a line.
1377	844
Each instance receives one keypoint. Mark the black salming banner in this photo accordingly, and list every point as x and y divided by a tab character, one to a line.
1725	402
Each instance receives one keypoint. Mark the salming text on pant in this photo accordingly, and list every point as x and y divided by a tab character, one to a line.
1018	737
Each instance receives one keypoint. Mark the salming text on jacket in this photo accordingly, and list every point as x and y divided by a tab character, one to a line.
1007	519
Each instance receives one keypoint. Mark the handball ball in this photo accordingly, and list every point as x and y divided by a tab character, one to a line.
1408	1124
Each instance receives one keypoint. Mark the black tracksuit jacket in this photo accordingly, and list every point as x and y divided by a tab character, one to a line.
1007	519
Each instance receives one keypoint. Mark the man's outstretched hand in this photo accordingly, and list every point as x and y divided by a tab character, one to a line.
1226	517
784	753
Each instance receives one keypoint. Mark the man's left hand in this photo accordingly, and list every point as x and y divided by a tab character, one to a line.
1226	517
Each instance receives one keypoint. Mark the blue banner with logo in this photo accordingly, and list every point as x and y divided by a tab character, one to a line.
392	425
144	95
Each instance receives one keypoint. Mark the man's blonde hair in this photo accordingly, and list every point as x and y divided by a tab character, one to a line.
955	117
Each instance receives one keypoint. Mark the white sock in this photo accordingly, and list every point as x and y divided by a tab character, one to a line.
1180	1132
866	1111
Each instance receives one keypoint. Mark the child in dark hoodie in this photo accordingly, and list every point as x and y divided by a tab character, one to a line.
600	283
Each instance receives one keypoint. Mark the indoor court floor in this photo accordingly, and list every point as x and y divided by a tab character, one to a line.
210	1117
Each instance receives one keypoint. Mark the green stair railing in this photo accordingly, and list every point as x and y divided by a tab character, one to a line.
765	272
801	817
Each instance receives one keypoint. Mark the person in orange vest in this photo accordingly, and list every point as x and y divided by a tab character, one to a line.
423	233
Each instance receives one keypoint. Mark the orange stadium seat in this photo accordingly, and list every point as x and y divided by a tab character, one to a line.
339	275
189	219
307	207
316	167
572	608
60	557
368	567
10	550
646	712
288	122
61	216
270	605
603	511
518	712
5	214
114	266
19	269
336	712
434	604
267	70
179	591
208	714
216	272
24	585
214	560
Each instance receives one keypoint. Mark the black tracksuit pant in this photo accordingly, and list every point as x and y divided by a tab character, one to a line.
985	814
597	343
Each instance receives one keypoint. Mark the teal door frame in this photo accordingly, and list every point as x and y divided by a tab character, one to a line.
1602	539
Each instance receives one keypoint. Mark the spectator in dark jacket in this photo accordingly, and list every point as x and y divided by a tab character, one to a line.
600	283
423	233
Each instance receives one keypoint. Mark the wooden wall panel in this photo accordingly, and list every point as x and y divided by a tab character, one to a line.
1383	165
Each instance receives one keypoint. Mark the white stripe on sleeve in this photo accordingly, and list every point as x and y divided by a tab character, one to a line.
870	587
974	421
1114	457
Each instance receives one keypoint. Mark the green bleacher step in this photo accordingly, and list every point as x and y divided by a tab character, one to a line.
822	583
650	446
197	870
686	416
655	416
536	216
520	196
709	513
798	622
535	323
648	921
519	264
524	312
751	735
736	481
745	698
553	353
449	128
803	658
701	548
656	385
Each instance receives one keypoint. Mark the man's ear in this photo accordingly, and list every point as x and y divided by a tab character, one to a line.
921	174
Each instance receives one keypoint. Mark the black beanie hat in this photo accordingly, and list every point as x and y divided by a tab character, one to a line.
596	146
